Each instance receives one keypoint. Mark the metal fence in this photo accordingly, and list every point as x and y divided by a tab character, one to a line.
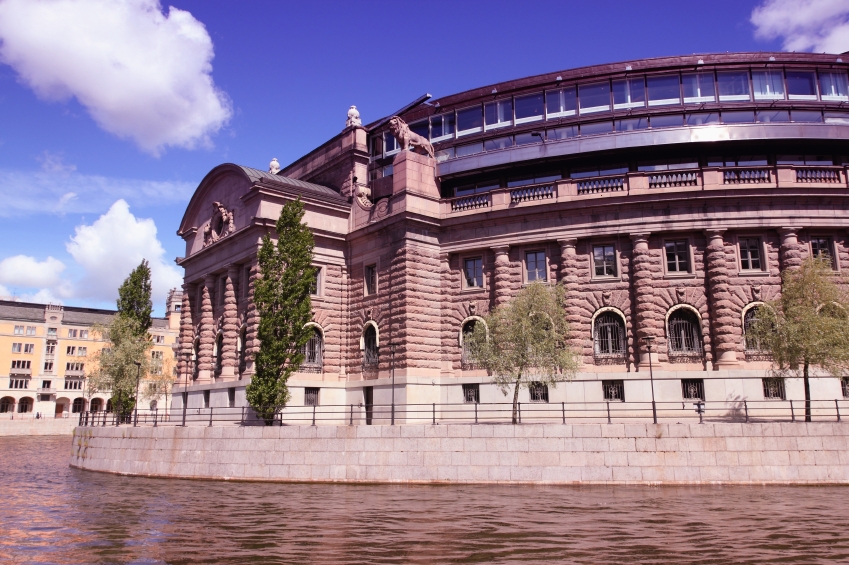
745	411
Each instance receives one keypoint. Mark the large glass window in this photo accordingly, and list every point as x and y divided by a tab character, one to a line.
476	188
442	127
684	334
806	116
632	124
498	114
604	260
469	120
535	179
671	121
772	116
677	256
834	86
565	132
469	149
594	97
473	271
596	128
664	90
498	143
629	93
733	86
421	128
529	108
768	85
802	85
821	247
698	88
750	254
740	117
390	144
535	264
560	103
609	338
702	119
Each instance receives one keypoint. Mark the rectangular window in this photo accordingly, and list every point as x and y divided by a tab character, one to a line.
806	116
71	350
231	397
596	128
529	137
315	284
529	108
469	120
693	389
566	132
421	128
498	143
471	394
45	384
82	351
834	87
614	391
594	97
743	117
772	116
74	384
442	127
51	348
821	247
801	85
51	332
632	124
206	399
498	114
48	366
774	389
702	119
664	90
677	256
604	260
540	178
750	254
673	121
768	85
733	86
156	355
83	334
18	383
535	264
311	396
560	103
19	330
377	146
630	93
390	144
16	347
469	149
371	279
29	347
30	330
473	271
538	392
72	333
698	88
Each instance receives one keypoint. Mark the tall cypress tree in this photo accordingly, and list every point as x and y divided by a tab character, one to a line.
282	298
134	298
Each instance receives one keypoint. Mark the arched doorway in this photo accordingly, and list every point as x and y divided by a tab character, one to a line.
78	405
96	405
7	405
25	405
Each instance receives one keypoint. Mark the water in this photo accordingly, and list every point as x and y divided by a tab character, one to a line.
53	514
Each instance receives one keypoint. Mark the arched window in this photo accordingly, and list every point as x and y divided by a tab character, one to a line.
685	336
96	405
153	405
466	359
313	353
7	404
195	355
109	405
370	349
78	405
219	354
25	405
609	339
243	340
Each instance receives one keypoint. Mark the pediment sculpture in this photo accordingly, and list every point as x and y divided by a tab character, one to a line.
220	225
408	139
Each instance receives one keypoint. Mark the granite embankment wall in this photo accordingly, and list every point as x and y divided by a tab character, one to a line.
770	453
39	427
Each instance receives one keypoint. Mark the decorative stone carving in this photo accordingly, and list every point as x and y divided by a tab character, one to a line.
353	117
473	308
605	297
219	226
368	314
756	293
408	139
364	195
680	293
274	166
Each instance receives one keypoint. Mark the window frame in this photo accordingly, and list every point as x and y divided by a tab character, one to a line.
595	109
312	396
463	282
538	392
525	271
562	97
699	383
593	265
370	273
764	268
319	282
529	119
478	129
832	248
498	104
607	386
802	97
690	267
471	393
781	388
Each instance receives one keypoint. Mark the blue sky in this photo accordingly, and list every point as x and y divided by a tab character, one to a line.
112	113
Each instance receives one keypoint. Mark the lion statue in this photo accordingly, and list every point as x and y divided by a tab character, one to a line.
408	139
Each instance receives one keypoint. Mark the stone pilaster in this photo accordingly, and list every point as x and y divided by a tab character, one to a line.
725	324
502	274
569	278
187	335
649	316
207	332
446	319
231	325
252	322
791	251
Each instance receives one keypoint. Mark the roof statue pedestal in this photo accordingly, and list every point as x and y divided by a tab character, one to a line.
415	174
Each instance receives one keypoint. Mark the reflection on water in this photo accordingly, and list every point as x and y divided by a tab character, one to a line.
53	514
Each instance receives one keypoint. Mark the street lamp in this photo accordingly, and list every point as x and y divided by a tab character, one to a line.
392	368
648	341
188	368
138	380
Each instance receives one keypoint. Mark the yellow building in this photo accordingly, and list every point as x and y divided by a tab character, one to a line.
44	349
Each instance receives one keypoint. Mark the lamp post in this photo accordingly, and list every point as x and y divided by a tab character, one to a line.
392	367
138	380
188	368
648	341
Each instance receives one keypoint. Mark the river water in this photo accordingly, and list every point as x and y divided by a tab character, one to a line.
53	514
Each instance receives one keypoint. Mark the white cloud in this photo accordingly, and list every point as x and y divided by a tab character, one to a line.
820	26
25	271
55	163
114	245
39	192
142	74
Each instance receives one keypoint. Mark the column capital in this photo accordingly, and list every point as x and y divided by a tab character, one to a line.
789	231
715	233
639	236
209	279
501	249
567	242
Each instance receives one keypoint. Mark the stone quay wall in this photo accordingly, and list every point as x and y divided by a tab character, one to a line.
38	427
650	454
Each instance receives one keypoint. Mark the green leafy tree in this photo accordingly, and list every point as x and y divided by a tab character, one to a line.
807	327
134	297
282	298
525	342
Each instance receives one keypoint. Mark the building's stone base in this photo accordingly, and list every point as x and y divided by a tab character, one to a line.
772	453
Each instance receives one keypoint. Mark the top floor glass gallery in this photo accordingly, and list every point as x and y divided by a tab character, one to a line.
630	93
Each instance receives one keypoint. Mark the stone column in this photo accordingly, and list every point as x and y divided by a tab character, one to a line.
448	345
252	322
725	323
649	317
187	335
231	325
502	274
207	333
569	278
791	251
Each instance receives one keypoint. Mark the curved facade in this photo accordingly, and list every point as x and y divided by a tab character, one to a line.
666	194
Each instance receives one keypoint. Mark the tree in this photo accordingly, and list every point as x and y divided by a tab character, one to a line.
114	367
282	299
807	326
524	342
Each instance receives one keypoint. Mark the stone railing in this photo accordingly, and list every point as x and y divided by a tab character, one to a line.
470	202
747	175
667	180
528	193
818	174
601	184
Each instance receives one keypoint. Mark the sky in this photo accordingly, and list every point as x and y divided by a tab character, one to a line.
113	111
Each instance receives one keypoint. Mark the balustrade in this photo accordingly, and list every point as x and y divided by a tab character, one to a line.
470	202
817	174
665	180
529	193
597	185
747	176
